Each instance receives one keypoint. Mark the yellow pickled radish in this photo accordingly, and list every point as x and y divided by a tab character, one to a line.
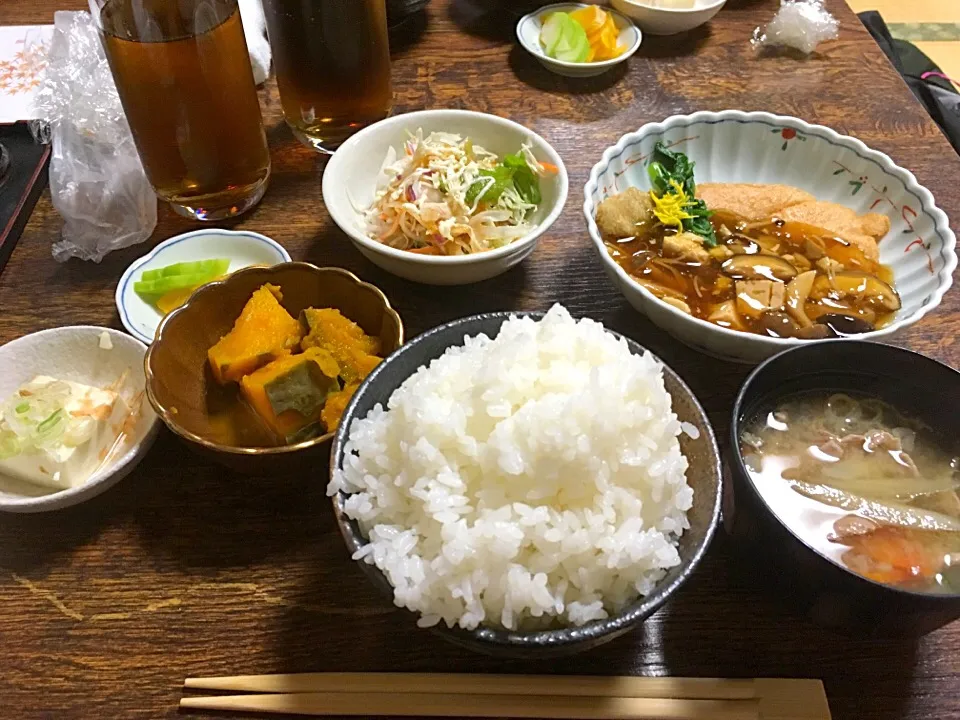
591	18
175	298
602	33
609	37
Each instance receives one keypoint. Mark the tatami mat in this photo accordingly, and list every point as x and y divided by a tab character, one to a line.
912	11
931	25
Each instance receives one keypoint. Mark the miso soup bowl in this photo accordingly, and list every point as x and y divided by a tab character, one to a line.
182	390
826	591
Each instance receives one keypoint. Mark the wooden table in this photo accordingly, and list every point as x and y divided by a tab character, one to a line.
186	569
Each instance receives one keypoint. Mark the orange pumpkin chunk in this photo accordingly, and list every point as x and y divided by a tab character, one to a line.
336	405
289	393
353	349
263	332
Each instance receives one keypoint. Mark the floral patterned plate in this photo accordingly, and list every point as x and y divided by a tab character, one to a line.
757	147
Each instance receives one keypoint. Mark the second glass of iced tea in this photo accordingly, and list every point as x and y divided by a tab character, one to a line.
332	60
186	85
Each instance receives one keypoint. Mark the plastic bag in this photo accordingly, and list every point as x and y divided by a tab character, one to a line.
798	24
97	183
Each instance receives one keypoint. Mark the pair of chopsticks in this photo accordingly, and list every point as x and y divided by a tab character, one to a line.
514	696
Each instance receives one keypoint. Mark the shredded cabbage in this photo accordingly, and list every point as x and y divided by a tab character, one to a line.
447	196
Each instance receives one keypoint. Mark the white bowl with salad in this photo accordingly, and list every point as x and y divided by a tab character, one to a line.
578	39
445	197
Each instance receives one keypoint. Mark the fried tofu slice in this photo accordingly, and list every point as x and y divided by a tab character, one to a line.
619	215
686	246
862	231
751	201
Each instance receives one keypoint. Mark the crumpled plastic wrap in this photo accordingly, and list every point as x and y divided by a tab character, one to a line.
255	32
97	183
798	24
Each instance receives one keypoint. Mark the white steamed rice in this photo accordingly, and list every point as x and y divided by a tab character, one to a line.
527	481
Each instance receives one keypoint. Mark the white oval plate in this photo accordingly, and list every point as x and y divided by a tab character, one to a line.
757	147
242	247
528	33
74	353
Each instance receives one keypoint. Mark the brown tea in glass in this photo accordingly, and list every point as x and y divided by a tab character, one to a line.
184	77
332	60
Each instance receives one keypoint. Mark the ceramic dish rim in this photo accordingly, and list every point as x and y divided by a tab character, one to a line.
442	260
169	242
927	201
741	469
675	11
165	415
537	52
493	638
103	477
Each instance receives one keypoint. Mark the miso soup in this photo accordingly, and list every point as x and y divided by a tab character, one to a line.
867	487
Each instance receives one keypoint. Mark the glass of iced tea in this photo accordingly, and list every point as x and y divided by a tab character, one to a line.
332	60
186	85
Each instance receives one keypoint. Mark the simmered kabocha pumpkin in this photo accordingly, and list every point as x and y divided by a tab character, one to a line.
263	332
336	405
289	394
354	350
298	395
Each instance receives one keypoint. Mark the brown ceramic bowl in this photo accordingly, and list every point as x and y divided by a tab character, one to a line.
183	392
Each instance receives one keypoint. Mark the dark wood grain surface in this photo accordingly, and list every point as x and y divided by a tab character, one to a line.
186	569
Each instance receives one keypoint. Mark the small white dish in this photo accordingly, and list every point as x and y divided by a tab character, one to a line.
350	178
242	247
669	21
75	353
758	147
528	33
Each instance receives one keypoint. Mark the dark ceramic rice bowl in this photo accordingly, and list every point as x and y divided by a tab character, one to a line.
703	475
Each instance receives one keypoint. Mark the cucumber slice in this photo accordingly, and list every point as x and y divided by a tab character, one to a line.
214	267
163	285
575	46
566	36
584	50
551	31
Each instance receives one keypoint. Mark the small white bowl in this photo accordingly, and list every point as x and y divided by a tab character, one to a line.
758	147
669	21
242	247
528	32
349	183
74	353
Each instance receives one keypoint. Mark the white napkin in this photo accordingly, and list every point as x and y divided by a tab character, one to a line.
255	29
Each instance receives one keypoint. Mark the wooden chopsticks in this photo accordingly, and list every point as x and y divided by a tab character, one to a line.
484	706
455	684
516	696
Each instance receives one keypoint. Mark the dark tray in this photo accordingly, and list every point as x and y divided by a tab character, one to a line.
26	180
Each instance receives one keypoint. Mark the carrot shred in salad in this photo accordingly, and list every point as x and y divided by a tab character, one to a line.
444	195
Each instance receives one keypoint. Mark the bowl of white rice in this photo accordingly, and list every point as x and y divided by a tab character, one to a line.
526	483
